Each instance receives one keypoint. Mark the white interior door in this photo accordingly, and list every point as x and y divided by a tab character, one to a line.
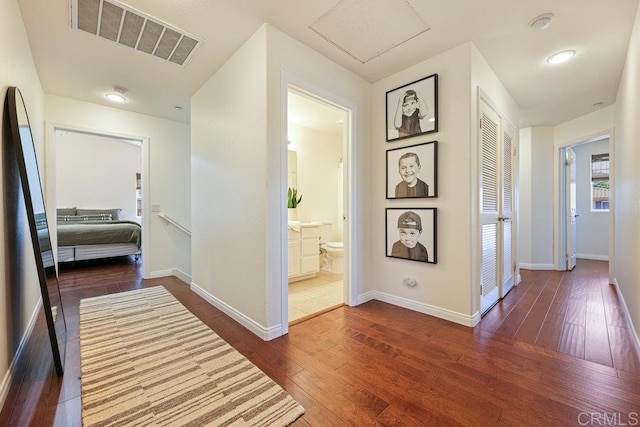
489	206
506	217
497	139
570	195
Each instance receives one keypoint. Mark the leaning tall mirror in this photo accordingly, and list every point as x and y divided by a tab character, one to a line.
40	236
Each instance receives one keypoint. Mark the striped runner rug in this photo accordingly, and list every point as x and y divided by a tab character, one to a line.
146	360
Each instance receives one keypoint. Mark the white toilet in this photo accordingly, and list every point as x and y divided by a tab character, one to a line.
334	250
335	253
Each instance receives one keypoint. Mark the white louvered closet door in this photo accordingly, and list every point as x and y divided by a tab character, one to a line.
506	218
489	205
496	207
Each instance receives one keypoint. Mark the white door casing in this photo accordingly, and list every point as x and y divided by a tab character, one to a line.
570	195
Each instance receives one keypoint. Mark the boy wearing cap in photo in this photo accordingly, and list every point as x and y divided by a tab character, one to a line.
410	229
411	185
410	110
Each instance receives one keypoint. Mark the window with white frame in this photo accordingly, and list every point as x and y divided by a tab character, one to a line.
600	182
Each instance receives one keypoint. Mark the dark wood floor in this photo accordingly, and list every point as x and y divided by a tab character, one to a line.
556	351
576	313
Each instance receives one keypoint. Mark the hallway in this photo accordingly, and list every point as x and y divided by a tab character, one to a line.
382	364
575	312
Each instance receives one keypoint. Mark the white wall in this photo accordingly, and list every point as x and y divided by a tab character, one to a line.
542	167
169	250
228	171
291	62
592	228
584	128
539	185
536	198
446	288
239	174
19	290
524	197
97	172
627	180
318	154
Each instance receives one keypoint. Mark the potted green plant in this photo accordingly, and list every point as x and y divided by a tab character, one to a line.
293	200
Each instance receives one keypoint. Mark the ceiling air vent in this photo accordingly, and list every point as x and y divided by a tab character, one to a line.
119	23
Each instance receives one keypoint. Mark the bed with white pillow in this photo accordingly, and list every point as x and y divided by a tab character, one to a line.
85	234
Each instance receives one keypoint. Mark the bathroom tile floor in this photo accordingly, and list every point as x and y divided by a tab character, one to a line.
310	296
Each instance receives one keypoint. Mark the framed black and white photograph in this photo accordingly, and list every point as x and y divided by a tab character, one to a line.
412	172
411	234
412	109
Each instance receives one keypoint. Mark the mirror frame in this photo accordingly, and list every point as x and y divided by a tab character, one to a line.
47	272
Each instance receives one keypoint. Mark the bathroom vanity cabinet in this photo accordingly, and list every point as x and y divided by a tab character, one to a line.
304	251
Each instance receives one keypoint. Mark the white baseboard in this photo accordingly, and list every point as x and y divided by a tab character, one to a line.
626	312
160	273
170	272
528	266
441	313
593	257
264	333
186	278
8	378
367	296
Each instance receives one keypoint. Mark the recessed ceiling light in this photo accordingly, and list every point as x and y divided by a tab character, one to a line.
541	22
117	95
561	57
177	107
598	104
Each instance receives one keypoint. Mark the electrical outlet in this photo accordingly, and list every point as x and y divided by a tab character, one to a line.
410	281
155	207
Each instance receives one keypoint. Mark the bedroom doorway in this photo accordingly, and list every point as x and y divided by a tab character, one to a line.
585	222
99	179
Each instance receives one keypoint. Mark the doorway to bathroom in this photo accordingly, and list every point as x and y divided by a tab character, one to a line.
317	140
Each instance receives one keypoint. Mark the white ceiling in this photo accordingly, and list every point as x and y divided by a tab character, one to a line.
78	65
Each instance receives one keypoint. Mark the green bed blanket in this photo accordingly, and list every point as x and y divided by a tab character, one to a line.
99	232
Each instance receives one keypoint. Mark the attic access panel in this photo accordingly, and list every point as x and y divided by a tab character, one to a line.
365	29
124	25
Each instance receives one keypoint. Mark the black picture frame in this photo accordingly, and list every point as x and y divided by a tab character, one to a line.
423	90
424	156
426	241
